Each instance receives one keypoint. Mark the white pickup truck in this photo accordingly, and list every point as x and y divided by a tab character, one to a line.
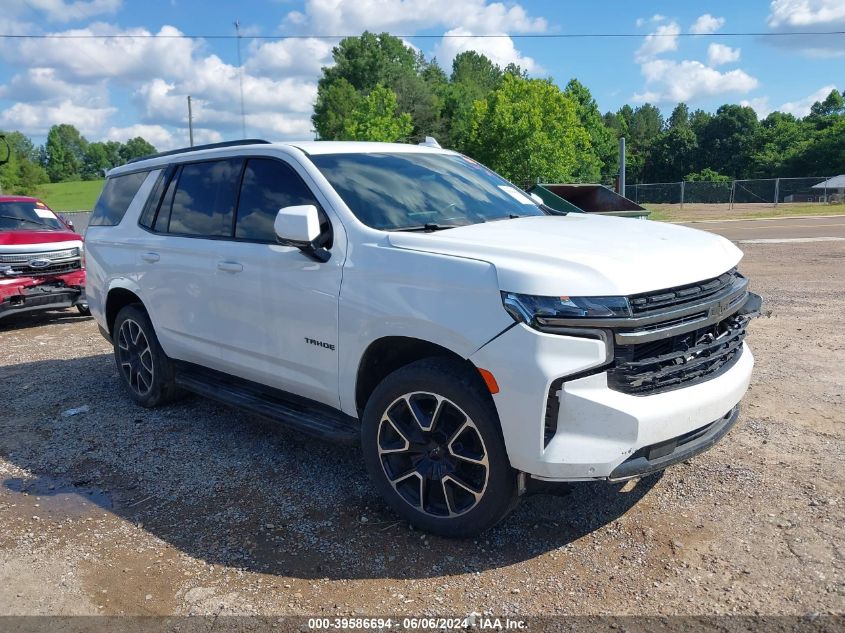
411	300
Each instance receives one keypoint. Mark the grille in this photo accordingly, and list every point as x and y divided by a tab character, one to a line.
682	295
52	269
25	258
678	361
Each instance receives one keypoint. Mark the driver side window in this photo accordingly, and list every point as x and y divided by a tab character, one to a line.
267	186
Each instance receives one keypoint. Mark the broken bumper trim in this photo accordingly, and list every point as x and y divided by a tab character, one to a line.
651	459
42	301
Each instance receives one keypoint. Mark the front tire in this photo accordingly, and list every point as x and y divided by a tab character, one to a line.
144	368
432	445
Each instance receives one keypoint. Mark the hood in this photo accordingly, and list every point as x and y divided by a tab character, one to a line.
27	236
583	255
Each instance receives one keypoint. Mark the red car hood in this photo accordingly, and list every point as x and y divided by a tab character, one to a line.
37	237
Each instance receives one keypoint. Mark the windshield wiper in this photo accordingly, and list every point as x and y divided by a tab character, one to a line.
14	217
426	228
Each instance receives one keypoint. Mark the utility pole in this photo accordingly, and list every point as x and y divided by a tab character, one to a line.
622	166
190	122
241	78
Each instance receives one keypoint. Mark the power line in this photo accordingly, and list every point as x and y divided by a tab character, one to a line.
167	36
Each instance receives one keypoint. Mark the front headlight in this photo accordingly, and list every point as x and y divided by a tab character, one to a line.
538	310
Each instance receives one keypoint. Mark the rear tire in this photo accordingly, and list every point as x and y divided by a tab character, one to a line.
144	368
433	447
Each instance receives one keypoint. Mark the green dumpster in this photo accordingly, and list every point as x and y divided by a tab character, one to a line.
593	199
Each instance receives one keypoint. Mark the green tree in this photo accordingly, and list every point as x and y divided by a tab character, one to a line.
65	152
528	129
22	173
680	117
137	147
644	124
834	103
363	63
728	140
602	139
377	119
474	76
670	156
781	137
707	175
335	103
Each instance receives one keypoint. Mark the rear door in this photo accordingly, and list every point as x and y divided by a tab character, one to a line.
190	231
276	308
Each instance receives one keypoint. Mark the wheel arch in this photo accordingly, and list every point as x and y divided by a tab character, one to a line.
389	353
117	299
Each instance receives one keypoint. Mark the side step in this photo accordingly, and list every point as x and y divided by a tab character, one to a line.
305	415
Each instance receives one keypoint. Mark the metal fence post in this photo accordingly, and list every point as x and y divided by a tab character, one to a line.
777	190
682	194
733	189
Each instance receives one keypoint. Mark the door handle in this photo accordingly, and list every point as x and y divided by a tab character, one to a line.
150	258
230	267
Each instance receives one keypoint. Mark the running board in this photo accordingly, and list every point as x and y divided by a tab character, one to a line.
298	413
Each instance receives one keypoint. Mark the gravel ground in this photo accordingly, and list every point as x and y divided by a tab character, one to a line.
199	509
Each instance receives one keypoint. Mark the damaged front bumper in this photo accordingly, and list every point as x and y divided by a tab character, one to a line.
20	295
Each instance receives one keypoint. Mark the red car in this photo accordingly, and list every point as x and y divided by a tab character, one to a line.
41	259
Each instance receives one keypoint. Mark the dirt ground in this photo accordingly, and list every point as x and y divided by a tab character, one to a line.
199	509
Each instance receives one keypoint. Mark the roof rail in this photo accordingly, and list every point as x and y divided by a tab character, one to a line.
245	141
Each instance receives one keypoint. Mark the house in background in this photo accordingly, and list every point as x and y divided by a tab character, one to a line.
831	190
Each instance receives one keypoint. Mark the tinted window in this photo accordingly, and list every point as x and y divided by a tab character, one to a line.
204	201
163	217
268	186
393	191
148	213
115	199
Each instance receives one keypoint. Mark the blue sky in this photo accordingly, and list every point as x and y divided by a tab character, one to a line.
120	88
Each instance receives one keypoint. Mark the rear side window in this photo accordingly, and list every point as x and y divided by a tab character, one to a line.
204	199
115	199
268	185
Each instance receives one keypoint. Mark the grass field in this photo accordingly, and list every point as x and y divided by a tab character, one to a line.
693	212
70	196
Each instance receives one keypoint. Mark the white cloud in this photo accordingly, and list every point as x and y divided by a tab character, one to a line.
45	84
35	118
760	104
787	16
500	50
663	40
801	107
706	24
123	59
464	18
60	10
718	54
802	13
345	17
292	57
670	81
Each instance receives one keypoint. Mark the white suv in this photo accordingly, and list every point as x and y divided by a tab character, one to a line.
410	299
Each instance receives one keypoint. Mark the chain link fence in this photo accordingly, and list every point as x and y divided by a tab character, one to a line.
761	191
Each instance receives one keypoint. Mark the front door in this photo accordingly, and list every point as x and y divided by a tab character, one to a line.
276	308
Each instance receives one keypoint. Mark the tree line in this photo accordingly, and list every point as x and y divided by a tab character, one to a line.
379	89
65	156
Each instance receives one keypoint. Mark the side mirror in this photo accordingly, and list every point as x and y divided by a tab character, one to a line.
299	226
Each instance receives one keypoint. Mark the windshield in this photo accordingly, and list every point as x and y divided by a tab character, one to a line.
25	215
407	190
